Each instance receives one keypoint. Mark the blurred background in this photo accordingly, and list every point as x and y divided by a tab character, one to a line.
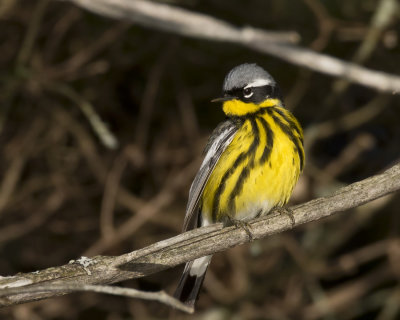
102	126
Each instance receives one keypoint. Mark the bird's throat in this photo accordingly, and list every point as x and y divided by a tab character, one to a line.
238	108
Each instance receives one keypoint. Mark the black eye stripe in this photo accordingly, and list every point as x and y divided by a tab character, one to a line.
259	93
234	92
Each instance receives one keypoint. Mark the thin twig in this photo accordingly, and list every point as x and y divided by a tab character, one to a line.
338	299
166	195
99	126
143	129
159	296
9	92
348	121
384	13
181	21
111	189
31	34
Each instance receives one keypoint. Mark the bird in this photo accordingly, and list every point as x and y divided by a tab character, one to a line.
251	164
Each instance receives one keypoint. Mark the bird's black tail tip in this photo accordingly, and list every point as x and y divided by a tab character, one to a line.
191	281
188	289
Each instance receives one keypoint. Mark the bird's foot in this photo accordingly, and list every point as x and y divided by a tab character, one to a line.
242	225
287	212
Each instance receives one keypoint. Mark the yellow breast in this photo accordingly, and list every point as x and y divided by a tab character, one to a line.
259	168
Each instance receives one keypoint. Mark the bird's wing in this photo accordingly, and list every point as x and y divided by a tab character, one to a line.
220	139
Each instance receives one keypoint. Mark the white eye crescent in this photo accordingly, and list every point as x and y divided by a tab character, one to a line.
247	92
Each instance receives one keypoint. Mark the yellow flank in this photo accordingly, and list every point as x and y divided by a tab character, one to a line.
236	107
259	168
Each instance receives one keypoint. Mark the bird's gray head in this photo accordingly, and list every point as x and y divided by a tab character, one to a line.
247	74
250	83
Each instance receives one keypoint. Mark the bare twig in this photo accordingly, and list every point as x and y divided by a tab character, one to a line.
383	16
31	34
191	24
352	291
13	173
111	189
154	206
9	92
350	154
72	67
186	107
15	230
347	122
391	307
177	20
125	198
6	6
150	94
326	24
159	296
99	126
191	245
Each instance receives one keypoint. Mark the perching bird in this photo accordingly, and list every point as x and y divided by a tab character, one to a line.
251	165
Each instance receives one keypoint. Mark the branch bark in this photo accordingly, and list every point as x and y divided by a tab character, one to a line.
278	44
168	253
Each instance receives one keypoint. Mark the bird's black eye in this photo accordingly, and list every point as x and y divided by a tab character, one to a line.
247	92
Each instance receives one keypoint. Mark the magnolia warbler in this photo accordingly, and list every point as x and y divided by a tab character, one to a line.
252	163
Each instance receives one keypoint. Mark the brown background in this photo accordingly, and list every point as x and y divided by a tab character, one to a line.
64	193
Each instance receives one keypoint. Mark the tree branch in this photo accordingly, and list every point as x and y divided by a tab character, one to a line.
278	44
185	247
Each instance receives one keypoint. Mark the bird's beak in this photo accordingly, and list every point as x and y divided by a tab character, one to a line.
226	98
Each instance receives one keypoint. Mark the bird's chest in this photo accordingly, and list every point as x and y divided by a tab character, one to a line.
255	173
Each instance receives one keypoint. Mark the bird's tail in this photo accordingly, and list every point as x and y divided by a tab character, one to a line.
192	278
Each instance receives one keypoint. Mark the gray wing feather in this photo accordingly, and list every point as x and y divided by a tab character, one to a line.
220	139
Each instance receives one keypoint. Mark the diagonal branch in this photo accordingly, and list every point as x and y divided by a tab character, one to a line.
187	246
278	44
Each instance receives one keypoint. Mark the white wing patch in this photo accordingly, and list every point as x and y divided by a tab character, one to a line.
199	266
214	147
